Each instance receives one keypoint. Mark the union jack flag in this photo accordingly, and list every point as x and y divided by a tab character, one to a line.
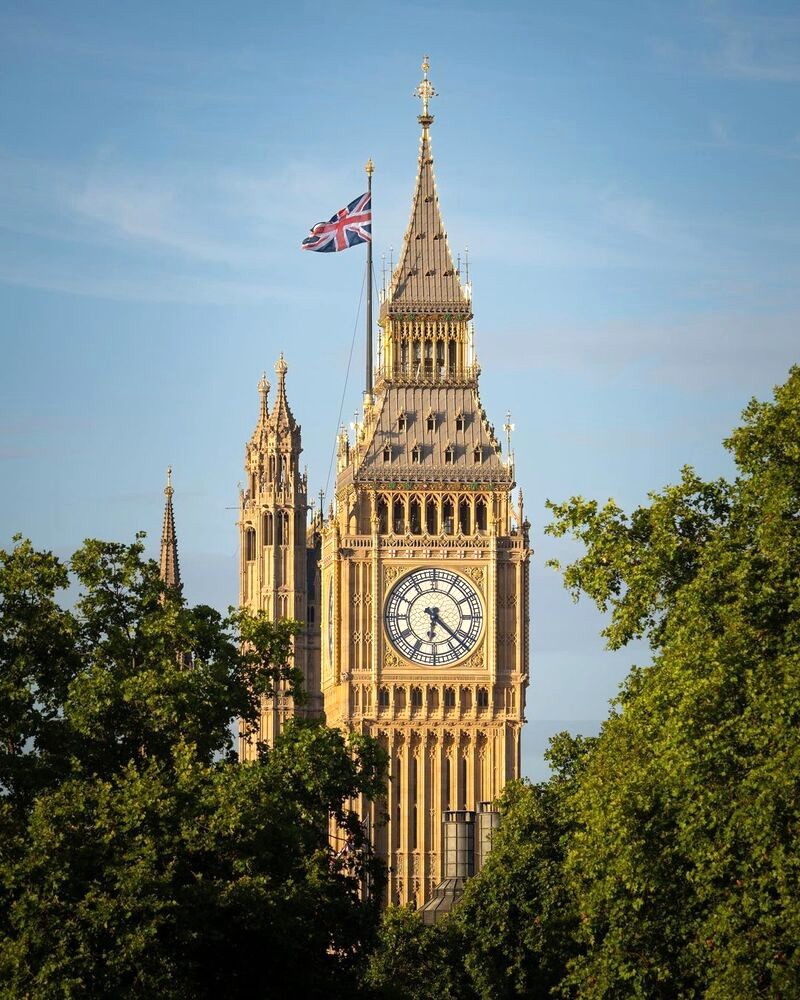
349	227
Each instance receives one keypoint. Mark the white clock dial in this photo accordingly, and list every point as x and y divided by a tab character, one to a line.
433	617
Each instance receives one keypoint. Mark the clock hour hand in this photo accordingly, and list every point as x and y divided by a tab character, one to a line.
433	614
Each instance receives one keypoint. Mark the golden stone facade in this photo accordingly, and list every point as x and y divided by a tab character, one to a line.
421	603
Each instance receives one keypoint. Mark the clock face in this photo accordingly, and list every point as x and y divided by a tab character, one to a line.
433	617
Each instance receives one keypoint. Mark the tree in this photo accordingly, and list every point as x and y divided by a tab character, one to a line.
684	863
138	857
412	960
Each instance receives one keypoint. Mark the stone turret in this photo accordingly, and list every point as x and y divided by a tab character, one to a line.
277	571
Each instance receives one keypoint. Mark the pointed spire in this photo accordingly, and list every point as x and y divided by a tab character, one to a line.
263	389
426	278
170	568
282	416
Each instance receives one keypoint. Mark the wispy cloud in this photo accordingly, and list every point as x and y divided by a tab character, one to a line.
159	287
755	47
690	351
186	234
740	46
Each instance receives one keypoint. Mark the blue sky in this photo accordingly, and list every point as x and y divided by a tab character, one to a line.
624	175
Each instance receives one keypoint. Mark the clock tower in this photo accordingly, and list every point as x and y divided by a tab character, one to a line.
424	571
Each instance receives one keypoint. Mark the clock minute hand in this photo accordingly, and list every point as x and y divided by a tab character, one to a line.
435	617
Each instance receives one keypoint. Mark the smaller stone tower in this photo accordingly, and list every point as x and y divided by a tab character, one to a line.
278	555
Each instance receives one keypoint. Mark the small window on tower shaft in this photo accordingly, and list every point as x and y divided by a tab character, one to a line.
416	454
431	422
449	455
387	454
401	422
460	422
383	697
449	697
477	455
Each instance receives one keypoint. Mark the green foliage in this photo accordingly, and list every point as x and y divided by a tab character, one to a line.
517	919
637	565
412	961
137	856
684	863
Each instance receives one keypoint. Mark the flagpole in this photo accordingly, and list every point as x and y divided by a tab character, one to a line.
368	388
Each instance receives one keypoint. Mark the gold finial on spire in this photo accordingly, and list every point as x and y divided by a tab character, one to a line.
369	167
168	490
281	367
425	92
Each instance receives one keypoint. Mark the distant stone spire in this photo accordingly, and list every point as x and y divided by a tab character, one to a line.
170	568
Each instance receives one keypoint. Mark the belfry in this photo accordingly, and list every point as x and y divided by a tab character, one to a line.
415	586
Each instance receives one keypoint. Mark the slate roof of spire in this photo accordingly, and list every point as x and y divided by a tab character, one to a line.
425	277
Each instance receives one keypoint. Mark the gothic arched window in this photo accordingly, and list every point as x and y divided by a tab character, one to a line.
383	516
250	544
398	516
480	515
415	516
430	516
448	518
428	359
464	519
268	529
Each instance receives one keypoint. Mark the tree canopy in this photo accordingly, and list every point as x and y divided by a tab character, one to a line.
661	859
137	856
685	864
